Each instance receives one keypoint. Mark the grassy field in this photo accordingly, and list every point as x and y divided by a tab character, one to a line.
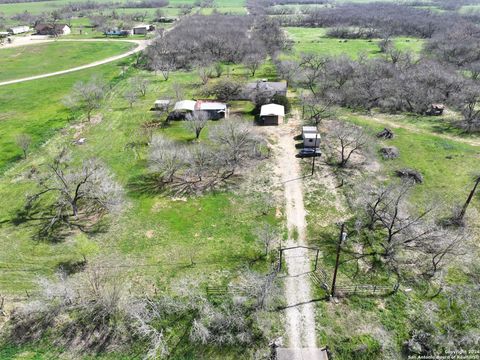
35	108
43	58
311	40
220	237
173	9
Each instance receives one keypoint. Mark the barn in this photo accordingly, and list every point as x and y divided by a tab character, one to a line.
271	114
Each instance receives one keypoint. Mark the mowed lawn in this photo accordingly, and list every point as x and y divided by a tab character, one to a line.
314	40
44	58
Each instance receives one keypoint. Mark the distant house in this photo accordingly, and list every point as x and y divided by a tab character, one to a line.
18	30
271	114
53	29
264	86
162	105
142	29
214	110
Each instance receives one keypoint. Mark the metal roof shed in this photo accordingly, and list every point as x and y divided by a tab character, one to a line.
272	110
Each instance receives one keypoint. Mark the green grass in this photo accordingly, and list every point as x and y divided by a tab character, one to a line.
215	230
44	58
35	108
314	40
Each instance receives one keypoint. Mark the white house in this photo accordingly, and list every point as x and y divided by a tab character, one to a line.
272	114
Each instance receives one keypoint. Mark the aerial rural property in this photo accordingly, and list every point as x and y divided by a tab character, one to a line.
239	179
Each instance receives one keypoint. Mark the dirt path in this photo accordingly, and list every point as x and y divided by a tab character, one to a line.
141	45
413	128
300	312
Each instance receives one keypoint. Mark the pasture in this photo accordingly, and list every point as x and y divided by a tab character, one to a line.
314	40
24	61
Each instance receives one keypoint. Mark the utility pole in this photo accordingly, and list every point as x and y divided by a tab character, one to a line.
315	153
342	238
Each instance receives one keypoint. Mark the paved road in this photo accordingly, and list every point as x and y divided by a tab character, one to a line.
141	45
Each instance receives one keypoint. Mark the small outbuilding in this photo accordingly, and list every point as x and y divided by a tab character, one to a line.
18	30
272	114
162	105
142	29
214	110
311	140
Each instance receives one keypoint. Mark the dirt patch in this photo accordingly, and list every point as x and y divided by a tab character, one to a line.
150	234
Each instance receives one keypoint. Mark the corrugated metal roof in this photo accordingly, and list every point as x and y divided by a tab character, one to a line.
309	129
272	110
211	106
185	105
311	136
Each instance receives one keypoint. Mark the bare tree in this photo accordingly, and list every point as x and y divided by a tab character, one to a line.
224	89
205	73
196	122
70	196
140	84
316	108
287	70
203	166
407	240
267	236
86	96
23	142
131	95
347	139
178	89
253	61
468	101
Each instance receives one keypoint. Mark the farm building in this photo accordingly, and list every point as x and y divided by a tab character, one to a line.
142	29
18	30
53	29
274	88
272	114
162	105
215	110
311	140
